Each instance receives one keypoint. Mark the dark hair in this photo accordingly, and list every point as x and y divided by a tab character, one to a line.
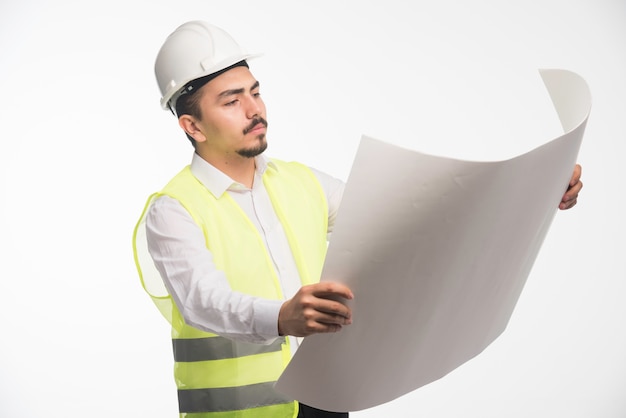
189	104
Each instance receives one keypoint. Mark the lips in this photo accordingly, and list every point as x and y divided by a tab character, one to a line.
256	126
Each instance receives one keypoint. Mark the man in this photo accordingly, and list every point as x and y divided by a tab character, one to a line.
238	239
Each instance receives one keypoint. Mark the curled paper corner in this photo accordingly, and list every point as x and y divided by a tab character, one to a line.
562	85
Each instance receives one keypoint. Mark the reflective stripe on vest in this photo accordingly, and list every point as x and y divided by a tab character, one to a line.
228	399
216	375
218	348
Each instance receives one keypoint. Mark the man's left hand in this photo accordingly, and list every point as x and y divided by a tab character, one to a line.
571	195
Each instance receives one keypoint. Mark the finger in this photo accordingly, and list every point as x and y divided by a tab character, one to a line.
321	323
335	319
334	309
568	200
576	175
571	195
568	205
326	321
329	328
572	192
332	290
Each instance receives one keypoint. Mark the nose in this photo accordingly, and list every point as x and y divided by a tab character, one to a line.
253	107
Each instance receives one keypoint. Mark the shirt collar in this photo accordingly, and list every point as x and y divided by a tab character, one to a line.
217	182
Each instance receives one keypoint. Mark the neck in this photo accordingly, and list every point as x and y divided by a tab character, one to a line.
241	169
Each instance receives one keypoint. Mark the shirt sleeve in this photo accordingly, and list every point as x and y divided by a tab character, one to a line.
201	291
333	187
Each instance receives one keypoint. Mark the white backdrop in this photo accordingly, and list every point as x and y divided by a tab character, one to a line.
83	143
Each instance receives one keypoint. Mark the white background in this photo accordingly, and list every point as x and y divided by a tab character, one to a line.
83	142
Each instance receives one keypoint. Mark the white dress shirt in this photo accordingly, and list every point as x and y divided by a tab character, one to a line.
201	291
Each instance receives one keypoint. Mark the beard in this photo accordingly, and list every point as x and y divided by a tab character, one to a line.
261	144
252	152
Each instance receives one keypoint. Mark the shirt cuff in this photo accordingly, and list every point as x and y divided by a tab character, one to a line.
266	318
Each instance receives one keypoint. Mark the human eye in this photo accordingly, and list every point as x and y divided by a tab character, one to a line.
231	103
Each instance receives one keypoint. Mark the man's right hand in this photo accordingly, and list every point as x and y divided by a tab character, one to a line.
316	308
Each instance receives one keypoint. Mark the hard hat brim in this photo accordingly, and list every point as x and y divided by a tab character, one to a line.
173	90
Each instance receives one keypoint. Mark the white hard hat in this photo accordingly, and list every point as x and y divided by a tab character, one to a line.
195	49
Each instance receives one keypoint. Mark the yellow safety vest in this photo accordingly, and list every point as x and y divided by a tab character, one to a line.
217	377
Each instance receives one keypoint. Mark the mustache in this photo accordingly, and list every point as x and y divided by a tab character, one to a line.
254	123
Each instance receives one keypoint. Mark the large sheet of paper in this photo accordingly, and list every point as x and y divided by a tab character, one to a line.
436	251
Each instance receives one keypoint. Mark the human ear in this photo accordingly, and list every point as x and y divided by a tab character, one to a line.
189	124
